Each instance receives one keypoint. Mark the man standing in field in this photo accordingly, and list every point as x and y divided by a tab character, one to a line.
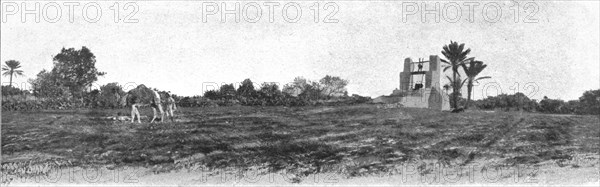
171	107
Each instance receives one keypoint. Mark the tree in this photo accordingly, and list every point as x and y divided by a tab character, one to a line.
590	102
246	89
517	101
10	90
12	69
46	85
227	91
333	86
455	56
312	91
212	95
555	106
472	70
297	87
270	94
110	95
76	69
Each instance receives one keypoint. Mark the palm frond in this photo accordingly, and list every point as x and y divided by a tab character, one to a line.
461	47
481	78
446	68
465	53
468	60
449	79
13	64
463	82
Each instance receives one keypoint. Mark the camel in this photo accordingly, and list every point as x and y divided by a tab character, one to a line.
143	96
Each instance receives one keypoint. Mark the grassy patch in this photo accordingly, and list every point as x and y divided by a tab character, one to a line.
354	140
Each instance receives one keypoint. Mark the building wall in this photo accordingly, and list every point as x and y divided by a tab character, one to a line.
431	95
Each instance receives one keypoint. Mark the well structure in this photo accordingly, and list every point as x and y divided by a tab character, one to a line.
420	84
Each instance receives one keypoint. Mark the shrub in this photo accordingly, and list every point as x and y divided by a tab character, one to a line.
590	102
109	95
28	104
516	101
10	90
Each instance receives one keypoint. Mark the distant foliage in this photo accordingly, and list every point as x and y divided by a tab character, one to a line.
296	87
91	99
517	101
227	92
75	69
246	93
46	85
28	103
246	89
65	86
585	105
10	90
333	86
110	95
270	95
212	94
590	102
302	92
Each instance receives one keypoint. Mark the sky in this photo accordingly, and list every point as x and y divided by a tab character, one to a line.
543	49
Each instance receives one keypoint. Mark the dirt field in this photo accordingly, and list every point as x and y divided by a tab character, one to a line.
350	144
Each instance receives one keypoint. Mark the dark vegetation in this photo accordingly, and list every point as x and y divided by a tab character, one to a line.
68	86
588	104
356	140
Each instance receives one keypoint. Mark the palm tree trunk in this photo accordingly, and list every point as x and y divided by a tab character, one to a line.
454	89
11	75
469	89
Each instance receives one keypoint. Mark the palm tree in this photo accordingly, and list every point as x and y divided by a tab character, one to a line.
472	70
455	83
12	69
455	56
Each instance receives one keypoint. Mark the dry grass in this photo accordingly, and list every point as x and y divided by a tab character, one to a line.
352	140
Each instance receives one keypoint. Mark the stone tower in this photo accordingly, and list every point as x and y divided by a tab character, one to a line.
430	95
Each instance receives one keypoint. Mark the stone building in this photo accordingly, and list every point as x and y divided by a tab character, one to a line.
420	86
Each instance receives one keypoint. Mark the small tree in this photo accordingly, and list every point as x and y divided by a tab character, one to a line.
548	105
46	85
270	94
590	102
12	69
76	69
212	95
297	87
333	86
227	91
110	95
312	91
472	70
10	90
246	89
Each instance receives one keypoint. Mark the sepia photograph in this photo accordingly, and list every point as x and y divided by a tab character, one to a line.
300	93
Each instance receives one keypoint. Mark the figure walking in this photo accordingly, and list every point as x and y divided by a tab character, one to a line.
170	105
